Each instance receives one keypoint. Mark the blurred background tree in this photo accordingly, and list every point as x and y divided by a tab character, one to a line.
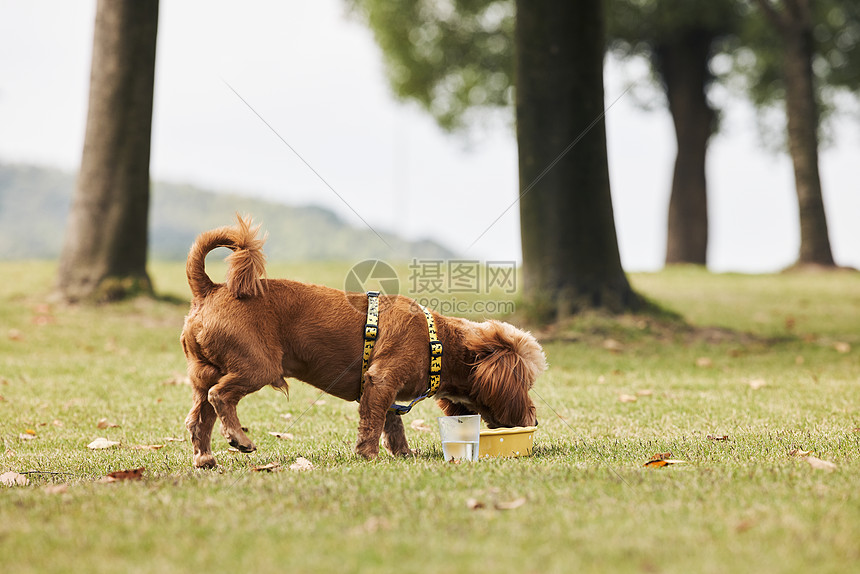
679	38
571	259
804	55
457	58
105	246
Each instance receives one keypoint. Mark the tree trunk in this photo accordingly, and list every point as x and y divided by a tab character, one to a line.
570	250
793	22
104	253
683	66
802	111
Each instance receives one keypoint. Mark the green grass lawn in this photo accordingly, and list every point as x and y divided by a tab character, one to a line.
770	362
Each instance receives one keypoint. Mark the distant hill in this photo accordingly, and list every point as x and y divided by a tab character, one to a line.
34	205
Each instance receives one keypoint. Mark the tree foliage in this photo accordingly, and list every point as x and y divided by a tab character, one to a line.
758	63
450	56
635	27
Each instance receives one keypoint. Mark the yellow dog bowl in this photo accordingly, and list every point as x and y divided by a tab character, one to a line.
515	441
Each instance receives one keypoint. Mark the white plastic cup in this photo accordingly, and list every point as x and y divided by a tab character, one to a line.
461	436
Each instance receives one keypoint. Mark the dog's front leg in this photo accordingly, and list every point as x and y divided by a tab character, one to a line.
394	437
379	393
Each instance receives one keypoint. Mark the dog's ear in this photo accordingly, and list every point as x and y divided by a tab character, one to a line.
506	363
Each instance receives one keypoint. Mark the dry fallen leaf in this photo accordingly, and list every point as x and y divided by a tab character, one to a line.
842	347
474	504
420	425
287	416
13	478
272	466
173	439
15	335
373	524
26	436
105	424
101	443
148	446
57	488
819	464
644	393
626	398
301	464
613	346
601	379
511	505
799	360
662	456
663	462
718	437
799	452
704	362
756	384
177	379
282	435
132	474
744	525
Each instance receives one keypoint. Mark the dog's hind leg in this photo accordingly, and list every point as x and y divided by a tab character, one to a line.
201	418
225	396
375	401
394	437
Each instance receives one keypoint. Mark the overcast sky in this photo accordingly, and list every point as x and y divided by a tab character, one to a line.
316	76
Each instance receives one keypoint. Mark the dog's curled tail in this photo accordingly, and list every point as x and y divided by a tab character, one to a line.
506	356
246	265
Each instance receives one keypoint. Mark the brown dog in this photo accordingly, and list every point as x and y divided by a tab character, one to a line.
249	332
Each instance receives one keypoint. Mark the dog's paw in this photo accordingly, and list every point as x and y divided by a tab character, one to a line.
404	452
245	447
367	453
205	461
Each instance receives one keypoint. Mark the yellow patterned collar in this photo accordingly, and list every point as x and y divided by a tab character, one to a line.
371	333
